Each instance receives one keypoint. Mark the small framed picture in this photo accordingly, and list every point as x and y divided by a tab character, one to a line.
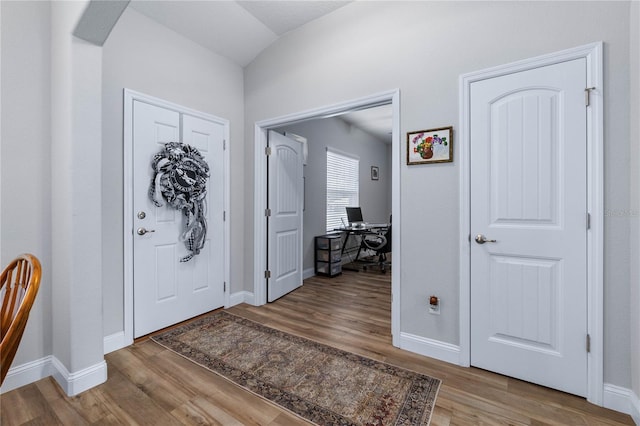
375	173
430	146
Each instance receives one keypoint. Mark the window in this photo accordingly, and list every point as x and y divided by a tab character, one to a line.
343	186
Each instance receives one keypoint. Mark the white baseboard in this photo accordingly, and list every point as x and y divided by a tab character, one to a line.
240	297
635	408
615	397
24	374
71	383
114	342
308	273
431	348
79	381
623	400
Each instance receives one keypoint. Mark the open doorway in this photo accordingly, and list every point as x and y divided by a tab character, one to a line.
358	146
390	98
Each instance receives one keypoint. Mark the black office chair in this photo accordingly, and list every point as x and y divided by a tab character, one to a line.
380	243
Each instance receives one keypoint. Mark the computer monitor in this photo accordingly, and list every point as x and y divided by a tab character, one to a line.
354	215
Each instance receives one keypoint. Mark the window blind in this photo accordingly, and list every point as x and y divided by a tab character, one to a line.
343	186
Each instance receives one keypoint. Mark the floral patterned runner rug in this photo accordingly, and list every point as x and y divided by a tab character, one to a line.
324	385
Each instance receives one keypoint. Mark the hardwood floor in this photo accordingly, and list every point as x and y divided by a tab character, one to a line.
150	385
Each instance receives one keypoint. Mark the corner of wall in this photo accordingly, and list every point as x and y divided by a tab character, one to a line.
115	341
634	186
79	381
241	297
622	400
635	408
71	383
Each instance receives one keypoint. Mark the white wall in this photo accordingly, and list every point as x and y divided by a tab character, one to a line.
75	203
144	56
363	48
635	197
25	156
374	195
421	48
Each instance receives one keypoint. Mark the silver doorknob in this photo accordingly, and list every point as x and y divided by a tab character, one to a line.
481	239
142	231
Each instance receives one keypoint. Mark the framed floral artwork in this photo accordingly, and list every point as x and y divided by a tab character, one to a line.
430	146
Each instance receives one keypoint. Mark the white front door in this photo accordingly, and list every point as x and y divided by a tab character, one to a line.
529	194
284	257
167	291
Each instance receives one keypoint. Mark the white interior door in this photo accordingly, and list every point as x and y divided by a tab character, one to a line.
167	291
529	194
284	258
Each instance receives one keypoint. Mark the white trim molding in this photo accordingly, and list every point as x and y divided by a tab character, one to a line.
592	53
115	341
432	348
261	129
27	373
241	297
129	97
308	273
623	400
79	381
71	383
635	408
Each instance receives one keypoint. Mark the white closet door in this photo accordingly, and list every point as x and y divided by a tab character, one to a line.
529	223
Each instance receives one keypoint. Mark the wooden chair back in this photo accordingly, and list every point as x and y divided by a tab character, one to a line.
19	285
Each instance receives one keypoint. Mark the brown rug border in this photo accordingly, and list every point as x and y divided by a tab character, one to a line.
421	383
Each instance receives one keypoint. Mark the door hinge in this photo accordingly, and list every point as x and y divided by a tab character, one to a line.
267	151
588	221
588	343
224	144
224	215
587	95
267	274
224	287
267	212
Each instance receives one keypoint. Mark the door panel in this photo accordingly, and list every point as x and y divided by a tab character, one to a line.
285	223
525	293
528	193
208	138
167	291
525	186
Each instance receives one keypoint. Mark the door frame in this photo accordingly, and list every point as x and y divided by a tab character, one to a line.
129	97
595	203
261	129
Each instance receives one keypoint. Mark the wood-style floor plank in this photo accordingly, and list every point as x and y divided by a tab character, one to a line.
150	385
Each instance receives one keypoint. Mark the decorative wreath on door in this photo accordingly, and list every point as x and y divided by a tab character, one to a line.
180	178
